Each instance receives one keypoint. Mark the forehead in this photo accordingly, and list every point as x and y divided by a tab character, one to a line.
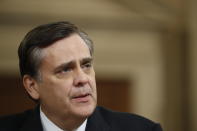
67	49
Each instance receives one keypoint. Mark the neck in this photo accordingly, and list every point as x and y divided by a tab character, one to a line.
68	123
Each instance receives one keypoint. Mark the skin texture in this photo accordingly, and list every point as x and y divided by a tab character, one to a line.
67	90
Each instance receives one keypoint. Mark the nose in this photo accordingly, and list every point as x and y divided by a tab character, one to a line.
80	78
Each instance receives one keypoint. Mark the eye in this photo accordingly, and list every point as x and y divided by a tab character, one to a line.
87	65
66	69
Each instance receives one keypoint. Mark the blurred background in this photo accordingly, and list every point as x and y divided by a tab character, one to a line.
145	58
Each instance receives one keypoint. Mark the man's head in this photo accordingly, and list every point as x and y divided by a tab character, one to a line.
30	49
56	67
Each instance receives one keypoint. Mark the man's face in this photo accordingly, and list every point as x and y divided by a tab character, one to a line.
67	87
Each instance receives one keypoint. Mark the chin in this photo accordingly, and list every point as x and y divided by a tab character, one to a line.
85	111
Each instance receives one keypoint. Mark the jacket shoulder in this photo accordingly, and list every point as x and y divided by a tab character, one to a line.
126	121
14	121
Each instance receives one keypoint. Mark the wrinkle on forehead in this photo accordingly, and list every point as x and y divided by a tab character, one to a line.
72	48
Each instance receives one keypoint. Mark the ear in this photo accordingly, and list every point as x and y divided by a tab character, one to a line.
31	86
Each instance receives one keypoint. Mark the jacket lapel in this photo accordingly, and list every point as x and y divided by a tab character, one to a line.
96	122
33	122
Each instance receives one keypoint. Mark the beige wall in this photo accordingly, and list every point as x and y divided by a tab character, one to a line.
138	55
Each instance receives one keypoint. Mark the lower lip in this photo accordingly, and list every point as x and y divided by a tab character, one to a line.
83	99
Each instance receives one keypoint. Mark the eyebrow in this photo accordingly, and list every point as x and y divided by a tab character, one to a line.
72	63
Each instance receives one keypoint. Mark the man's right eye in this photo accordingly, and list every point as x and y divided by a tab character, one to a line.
64	70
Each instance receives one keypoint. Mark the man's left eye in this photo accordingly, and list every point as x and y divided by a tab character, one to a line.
87	65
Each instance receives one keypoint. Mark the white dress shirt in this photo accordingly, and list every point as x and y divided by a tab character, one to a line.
48	125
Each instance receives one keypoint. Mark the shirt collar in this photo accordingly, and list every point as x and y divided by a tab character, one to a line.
48	125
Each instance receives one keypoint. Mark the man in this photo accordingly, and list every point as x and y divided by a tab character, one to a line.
56	65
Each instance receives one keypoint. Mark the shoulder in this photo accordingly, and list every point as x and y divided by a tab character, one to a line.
14	121
127	120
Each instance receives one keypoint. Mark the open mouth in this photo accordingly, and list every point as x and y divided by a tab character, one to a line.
82	98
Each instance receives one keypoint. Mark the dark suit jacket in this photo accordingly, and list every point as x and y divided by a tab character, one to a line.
101	120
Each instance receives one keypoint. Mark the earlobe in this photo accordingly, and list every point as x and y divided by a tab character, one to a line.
31	86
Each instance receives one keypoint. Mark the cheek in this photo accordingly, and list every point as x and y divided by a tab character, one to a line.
93	83
57	88
92	77
62	89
